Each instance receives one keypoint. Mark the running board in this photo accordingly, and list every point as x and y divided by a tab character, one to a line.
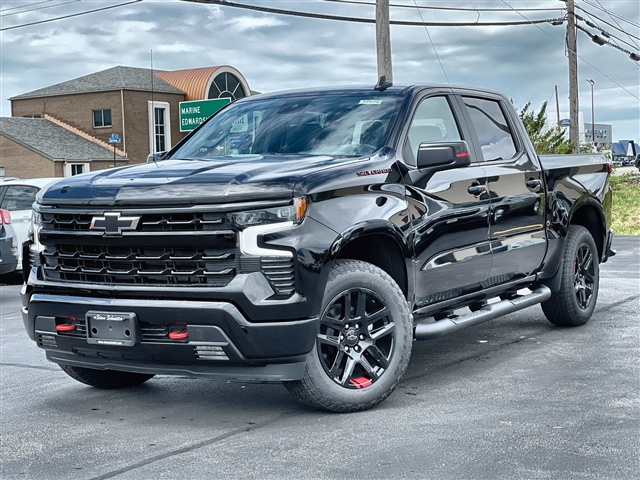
427	331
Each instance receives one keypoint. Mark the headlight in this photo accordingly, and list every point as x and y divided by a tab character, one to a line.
290	213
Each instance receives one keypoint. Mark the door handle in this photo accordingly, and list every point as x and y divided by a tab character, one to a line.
476	189
533	183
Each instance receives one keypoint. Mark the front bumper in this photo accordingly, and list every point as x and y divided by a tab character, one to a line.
221	342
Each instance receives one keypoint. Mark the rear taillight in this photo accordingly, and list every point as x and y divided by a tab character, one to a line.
5	216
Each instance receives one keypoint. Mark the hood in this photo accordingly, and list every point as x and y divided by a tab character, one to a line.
186	182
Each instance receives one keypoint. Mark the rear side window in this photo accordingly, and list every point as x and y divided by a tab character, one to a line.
494	134
19	197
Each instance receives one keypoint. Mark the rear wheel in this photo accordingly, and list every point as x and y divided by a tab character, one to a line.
107	379
363	342
574	303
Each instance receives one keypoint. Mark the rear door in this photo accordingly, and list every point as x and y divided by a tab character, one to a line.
517	232
449	208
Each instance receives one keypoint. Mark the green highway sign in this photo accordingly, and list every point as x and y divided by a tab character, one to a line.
196	112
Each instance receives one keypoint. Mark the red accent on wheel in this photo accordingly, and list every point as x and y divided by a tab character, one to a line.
360	382
65	327
178	335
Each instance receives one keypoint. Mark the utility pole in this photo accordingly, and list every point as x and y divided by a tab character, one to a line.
572	50
557	106
383	40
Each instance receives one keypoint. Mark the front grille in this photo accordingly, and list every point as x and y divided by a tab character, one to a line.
46	340
280	273
168	247
114	264
160	222
210	352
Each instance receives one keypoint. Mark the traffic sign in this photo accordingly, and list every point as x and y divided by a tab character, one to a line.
195	112
114	138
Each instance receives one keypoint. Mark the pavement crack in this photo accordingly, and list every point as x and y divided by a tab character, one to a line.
35	367
613	305
195	446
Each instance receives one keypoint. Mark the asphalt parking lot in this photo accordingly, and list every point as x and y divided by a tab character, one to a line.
516	398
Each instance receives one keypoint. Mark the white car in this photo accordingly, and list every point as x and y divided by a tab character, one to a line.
18	196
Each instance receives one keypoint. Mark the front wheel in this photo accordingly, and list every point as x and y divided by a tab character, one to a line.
363	342
107	379
574	303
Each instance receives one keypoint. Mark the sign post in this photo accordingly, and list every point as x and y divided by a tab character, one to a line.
195	112
115	139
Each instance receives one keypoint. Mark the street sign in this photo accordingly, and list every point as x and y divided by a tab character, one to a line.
114	138
195	112
565	122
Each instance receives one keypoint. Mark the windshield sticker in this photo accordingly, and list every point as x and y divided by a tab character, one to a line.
236	141
370	102
241	124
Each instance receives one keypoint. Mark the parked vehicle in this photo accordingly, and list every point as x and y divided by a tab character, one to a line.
309	237
18	196
9	250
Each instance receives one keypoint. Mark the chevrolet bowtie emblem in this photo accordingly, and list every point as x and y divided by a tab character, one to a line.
113	223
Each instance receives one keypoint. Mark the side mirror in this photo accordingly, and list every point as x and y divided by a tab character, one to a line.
443	154
154	157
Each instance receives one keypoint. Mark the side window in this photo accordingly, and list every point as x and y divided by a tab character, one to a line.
432	122
19	198
491	126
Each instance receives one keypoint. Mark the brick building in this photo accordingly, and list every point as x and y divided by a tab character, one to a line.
141	106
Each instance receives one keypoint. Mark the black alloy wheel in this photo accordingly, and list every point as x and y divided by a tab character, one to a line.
583	276
356	338
575	300
363	342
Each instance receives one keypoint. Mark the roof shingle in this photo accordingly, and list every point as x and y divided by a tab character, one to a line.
116	78
51	140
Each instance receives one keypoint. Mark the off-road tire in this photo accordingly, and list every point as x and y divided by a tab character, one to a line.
563	308
106	379
317	388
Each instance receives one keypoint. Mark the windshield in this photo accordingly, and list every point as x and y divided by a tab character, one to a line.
335	125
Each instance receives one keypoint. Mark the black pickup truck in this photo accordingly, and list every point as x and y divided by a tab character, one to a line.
308	237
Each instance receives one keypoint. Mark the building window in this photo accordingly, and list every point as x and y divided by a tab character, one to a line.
159	127
102	118
71	169
32	116
1	173
226	85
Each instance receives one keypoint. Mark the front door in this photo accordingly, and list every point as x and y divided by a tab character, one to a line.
450	228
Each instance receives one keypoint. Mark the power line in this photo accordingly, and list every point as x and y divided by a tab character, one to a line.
603	31
432	44
585	61
39	8
606	42
277	11
618	24
456	9
592	15
69	16
24	6
602	9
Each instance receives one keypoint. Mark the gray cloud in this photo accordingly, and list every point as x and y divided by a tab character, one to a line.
281	52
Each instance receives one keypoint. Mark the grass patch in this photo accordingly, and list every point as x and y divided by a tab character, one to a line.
626	204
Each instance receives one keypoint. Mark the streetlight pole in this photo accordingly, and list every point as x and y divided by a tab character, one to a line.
593	124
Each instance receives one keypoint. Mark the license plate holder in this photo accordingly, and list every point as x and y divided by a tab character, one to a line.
118	329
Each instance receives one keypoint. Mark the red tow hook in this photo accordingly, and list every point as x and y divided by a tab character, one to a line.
68	326
65	327
178	335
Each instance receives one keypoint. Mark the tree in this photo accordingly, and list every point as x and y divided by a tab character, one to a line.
545	140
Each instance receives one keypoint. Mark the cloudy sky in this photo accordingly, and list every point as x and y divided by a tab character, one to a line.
276	52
